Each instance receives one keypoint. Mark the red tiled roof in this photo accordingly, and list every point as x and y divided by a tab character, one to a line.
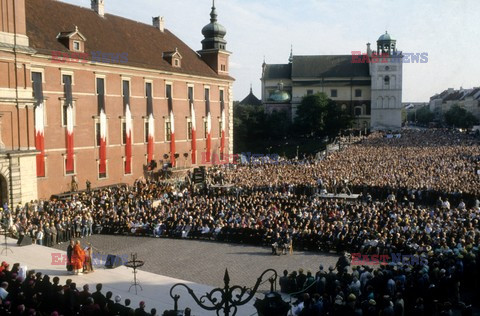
143	43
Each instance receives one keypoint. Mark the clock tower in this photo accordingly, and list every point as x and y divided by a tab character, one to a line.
386	75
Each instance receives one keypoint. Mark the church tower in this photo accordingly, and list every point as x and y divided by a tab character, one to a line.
214	45
386	76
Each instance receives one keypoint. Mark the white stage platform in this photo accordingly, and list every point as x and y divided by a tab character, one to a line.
341	196
156	288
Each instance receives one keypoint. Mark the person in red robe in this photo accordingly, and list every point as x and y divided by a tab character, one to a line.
78	257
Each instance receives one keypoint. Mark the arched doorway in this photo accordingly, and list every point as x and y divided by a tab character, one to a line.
3	191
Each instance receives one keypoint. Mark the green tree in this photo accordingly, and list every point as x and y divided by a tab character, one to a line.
424	115
248	124
336	120
317	115
460	117
311	114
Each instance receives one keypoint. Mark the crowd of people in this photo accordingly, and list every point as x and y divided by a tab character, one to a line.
29	293
394	289
418	195
438	160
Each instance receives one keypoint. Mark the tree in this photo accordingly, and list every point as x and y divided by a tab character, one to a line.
460	117
248	124
311	114
318	115
336	120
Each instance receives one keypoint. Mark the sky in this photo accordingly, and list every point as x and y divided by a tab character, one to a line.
448	30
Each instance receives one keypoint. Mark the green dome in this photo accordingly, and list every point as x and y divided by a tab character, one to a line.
279	96
385	37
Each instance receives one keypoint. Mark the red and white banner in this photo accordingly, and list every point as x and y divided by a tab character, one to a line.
128	145
69	165
102	169
172	137
151	124
40	139
209	134
194	132
151	138
222	140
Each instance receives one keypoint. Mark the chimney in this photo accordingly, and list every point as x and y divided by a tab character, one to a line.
99	7
369	50
159	23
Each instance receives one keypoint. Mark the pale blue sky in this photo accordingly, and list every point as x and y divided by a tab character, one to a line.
448	30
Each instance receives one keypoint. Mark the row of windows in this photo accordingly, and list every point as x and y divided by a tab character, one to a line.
334	93
101	87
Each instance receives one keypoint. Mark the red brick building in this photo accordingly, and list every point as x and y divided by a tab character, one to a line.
99	96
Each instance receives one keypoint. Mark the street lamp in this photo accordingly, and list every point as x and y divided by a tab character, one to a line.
228	298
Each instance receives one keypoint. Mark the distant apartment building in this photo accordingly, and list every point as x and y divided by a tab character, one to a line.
465	98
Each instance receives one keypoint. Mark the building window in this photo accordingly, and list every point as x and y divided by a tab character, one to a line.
207	94
190	93
205	126
333	93
223	68
168	131
220	128
358	93
70	172
168	91
124	132
102	175
65	112
97	134
67	82
176	63
125	166
189	130
76	45
387	80
358	111
146	129
309	92
148	89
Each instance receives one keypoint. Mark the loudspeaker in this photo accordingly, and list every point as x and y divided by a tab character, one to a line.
24	240
198	175
113	262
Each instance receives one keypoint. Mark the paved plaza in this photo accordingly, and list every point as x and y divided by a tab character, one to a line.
204	262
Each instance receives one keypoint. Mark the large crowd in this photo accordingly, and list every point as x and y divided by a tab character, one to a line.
29	293
440	160
418	195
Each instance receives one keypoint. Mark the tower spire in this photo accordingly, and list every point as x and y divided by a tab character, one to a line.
290	59
213	14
